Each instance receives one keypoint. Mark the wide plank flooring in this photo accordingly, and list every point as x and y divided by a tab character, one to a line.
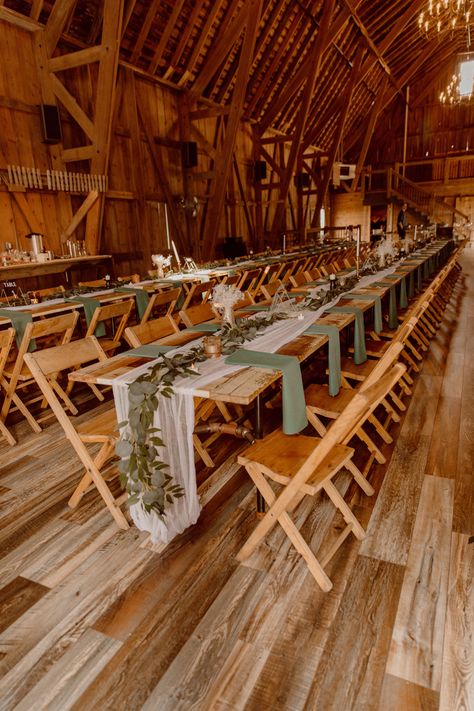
93	619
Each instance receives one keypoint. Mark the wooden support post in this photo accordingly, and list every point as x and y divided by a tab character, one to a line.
224	161
298	134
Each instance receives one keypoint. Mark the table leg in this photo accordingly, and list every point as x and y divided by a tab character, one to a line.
258	435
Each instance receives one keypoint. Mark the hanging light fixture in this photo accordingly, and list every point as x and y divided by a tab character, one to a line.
441	16
460	88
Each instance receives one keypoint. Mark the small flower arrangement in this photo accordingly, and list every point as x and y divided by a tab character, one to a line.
224	298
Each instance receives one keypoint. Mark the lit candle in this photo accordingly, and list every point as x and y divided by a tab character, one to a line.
175	251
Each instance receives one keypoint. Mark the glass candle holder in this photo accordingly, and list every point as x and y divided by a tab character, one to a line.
212	346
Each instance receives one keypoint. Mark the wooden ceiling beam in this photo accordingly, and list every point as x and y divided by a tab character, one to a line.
221	48
76	59
224	161
144	31
19	20
305	70
369	132
215	7
355	75
295	148
104	111
36	7
57	21
177	7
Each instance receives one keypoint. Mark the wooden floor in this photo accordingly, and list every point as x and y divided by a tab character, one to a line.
91	620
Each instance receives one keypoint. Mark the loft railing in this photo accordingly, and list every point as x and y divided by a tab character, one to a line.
395	185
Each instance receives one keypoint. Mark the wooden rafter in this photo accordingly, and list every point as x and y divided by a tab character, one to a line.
316	57
305	70
57	21
369	132
104	111
224	161
338	133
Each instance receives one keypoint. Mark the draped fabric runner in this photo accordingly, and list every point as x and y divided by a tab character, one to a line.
378	324
19	321
334	353
90	305
360	354
294	408
141	298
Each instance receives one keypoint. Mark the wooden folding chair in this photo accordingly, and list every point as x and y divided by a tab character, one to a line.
150	331
94	282
304	466
129	278
6	340
319	403
50	291
163	303
17	377
199	293
197	314
98	429
115	316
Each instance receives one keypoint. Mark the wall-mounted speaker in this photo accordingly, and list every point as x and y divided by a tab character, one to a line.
51	123
259	170
189	154
302	180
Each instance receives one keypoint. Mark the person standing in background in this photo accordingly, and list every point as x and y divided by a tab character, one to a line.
402	221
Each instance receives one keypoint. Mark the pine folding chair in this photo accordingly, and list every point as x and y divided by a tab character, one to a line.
93	283
150	331
163	303
320	404
17	376
249	280
199	293
197	314
303	466
6	340
115	316
98	429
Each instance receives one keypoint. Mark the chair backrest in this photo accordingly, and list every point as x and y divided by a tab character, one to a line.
6	340
151	330
248	279
350	419
232	280
66	356
134	278
118	312
50	291
94	282
268	291
163	302
199	293
61	326
197	314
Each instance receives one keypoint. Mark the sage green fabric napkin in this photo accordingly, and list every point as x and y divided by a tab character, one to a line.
378	324
403	288
141	298
294	407
205	327
255	307
392	304
90	305
334	352
148	350
360	354
19	321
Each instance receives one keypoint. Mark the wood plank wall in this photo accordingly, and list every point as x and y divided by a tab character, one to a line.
134	216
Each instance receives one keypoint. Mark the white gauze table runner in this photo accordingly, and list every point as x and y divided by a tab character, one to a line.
175	417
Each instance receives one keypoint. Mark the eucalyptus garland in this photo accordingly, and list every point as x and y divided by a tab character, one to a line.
143	474
322	296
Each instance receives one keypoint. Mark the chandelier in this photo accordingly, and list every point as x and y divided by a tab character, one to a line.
460	88
442	16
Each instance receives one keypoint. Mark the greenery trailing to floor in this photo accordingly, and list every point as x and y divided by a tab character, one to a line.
143	473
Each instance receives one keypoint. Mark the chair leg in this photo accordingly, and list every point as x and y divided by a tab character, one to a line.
290	529
105	453
7	434
339	502
372	447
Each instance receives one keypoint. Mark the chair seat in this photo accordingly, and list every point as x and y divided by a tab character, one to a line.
357	372
107	344
318	398
280	456
99	428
